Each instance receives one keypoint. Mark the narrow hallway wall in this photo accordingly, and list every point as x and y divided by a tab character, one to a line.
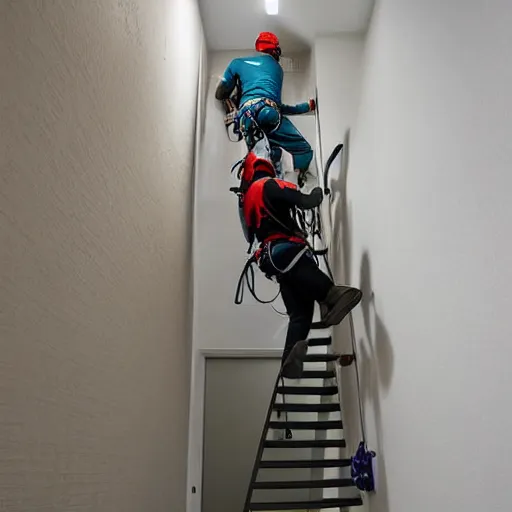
429	190
98	102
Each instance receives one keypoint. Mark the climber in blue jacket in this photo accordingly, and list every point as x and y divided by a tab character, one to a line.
260	80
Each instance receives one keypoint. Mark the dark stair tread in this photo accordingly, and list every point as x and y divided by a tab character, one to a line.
307	505
318	325
321	358
320	342
314	443
307	425
319	374
307	407
306	484
300	464
308	390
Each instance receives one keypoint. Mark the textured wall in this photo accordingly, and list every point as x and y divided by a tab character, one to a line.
97	130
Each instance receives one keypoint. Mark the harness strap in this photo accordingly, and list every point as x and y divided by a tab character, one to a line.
292	263
279	236
238	165
259	104
265	101
247	277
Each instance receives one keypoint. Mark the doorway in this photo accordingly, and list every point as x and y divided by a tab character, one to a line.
237	396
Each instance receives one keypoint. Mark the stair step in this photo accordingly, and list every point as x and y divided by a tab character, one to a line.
308	390
307	425
318	325
320	342
306	484
321	358
300	464
307	505
319	374
320	443
307	407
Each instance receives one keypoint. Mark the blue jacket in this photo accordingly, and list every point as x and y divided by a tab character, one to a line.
260	76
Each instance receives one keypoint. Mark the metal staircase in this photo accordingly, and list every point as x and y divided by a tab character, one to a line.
285	413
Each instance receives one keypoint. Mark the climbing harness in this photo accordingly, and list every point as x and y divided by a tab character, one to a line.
291	264
252	108
243	120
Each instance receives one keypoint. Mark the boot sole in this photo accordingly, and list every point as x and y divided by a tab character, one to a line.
337	315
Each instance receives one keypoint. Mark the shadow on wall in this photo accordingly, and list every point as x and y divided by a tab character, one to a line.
376	363
382	350
375	351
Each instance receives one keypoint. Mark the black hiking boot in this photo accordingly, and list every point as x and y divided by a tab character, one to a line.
293	365
340	301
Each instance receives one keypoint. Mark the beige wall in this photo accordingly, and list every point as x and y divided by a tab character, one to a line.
97	121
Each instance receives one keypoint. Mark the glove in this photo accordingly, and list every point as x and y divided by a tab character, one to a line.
312	105
313	199
317	196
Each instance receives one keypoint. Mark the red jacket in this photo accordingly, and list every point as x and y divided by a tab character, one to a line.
269	209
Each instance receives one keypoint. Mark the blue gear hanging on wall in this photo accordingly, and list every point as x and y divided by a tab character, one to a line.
362	468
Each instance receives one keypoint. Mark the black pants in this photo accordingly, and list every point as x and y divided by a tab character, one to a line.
300	287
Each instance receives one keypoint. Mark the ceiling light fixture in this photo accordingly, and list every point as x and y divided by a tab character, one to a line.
272	7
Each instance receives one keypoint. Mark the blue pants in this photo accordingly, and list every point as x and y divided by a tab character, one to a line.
281	133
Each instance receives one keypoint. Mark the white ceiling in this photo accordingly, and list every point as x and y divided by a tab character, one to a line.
235	24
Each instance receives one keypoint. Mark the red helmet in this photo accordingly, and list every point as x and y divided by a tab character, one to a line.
253	164
268	43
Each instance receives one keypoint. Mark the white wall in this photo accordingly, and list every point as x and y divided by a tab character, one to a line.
220	254
429	183
98	103
338	64
338	74
338	61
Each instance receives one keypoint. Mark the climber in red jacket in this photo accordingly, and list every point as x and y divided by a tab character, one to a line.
268	211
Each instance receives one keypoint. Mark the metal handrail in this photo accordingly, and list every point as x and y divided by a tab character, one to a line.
335	152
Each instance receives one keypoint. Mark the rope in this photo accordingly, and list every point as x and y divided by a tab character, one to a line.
360	403
250	282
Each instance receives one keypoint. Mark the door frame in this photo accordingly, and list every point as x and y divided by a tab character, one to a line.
197	413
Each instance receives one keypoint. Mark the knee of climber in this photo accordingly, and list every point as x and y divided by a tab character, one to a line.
299	325
302	160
